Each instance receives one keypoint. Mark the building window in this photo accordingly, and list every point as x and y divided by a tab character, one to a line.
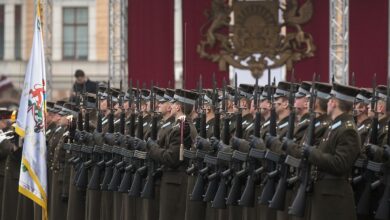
18	32
75	34
1	32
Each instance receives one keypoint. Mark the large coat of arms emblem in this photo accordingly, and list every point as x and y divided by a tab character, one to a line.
257	35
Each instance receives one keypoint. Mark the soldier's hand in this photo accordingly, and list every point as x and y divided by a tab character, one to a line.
287	143
149	144
139	144
109	138
371	150
255	142
214	142
270	140
236	142
202	143
98	138
306	150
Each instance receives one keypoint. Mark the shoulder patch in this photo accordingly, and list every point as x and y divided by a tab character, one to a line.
266	124
335	125
249	126
303	122
166	124
283	125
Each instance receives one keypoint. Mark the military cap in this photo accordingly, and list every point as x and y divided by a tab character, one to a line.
246	90
323	90
382	92
208	96
169	93
102	90
230	92
266	89
6	114
303	90
134	92
59	104
90	101
51	107
115	92
364	96
283	89
145	94
344	92
10	104
185	96
159	93
68	109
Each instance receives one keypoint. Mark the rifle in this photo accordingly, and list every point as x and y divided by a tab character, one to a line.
128	150
110	141
97	155
369	175
298	205
219	181
153	168
117	150
86	151
132	113
226	120
271	158
278	200
255	156
139	156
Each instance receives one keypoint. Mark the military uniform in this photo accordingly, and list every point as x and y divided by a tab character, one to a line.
151	206
332	196
10	164
174	179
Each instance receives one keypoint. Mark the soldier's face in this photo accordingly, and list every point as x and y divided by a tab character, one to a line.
361	108
281	105
103	105
243	103
3	124
126	105
175	108
301	104
164	108
332	104
265	107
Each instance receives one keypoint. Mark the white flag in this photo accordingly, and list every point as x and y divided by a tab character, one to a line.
30	124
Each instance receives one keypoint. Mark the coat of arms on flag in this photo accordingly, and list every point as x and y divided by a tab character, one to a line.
30	124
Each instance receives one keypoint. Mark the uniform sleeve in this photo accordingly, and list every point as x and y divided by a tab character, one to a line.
341	161
6	148
170	155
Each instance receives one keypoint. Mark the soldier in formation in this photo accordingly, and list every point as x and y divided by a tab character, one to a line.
311	150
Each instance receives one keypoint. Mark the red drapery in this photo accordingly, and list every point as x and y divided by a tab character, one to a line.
368	31
318	27
150	41
193	66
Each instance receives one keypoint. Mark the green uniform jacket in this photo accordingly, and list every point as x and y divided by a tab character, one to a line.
334	158
174	180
